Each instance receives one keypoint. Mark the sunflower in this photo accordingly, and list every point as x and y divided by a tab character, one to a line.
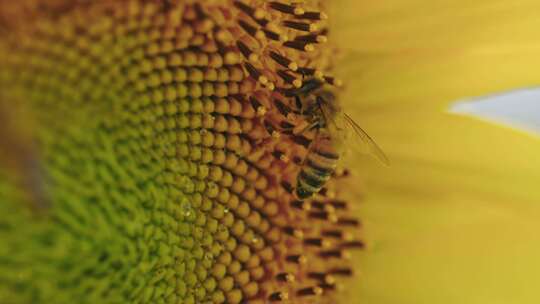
155	157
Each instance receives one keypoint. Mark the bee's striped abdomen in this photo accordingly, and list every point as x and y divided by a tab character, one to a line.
319	165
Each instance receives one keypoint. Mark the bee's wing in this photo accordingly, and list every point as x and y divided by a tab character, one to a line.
336	126
365	139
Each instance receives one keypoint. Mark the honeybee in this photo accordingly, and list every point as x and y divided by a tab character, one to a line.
333	128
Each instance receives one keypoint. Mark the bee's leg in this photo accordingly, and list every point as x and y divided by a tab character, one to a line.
318	124
299	106
271	143
280	151
274	129
341	172
287	111
308	127
310	147
287	128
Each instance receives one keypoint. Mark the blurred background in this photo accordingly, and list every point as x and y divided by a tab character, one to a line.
455	218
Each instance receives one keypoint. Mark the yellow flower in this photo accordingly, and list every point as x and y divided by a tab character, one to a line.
161	175
455	217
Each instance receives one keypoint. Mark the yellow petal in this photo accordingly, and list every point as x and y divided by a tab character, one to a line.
455	217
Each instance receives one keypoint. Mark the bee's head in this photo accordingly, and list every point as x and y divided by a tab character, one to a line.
305	96
311	85
327	99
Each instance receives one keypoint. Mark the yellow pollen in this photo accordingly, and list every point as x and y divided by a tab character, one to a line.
317	291
293	66
263	79
260	35
322	39
326	244
291	117
270	86
329	279
253	57
299	11
261	111
259	14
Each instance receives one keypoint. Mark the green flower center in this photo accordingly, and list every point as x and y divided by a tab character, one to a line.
159	127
